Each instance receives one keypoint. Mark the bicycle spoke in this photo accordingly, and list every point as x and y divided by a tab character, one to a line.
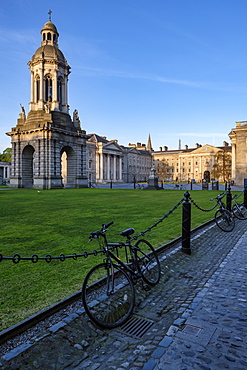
239	211
224	219
147	262
108	295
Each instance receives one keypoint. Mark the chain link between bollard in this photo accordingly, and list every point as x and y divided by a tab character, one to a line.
203	209
157	222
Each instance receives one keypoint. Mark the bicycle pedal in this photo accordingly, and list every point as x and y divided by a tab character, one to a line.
146	287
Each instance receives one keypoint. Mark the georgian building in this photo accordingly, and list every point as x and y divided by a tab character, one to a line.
200	163
104	159
4	172
108	161
137	162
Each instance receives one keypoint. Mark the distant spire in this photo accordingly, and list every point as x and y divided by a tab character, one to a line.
49	15
179	144
149	146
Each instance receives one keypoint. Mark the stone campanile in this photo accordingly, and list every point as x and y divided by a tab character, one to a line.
48	147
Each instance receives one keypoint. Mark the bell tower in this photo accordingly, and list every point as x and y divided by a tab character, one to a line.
48	147
49	73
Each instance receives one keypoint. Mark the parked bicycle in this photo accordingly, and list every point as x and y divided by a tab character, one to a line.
108	292
223	218
179	187
239	209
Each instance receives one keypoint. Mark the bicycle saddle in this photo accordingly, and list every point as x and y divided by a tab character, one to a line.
127	232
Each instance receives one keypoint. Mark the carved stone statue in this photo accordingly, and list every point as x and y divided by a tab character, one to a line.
47	108
76	119
76	116
23	113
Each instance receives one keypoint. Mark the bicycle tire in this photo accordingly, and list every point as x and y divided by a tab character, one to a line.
239	211
224	220
147	262
108	295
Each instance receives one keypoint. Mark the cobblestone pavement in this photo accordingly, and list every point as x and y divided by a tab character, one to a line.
195	318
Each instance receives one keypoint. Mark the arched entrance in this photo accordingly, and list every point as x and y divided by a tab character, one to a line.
207	176
68	167
27	166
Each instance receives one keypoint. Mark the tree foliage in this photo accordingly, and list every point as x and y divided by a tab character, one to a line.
161	169
222	167
6	155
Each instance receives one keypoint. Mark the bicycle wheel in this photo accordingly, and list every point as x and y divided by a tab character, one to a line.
225	220
147	262
239	211
108	295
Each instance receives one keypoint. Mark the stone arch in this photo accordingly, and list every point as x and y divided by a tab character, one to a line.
27	166
68	167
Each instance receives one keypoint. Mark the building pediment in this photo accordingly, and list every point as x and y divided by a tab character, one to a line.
112	145
206	149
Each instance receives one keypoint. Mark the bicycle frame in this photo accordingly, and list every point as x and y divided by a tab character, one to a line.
129	256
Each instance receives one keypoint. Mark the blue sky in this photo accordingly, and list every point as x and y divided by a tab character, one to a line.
174	69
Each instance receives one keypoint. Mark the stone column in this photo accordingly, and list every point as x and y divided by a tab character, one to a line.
200	167
108	166
32	88
114	167
120	168
54	91
234	161
41	96
101	167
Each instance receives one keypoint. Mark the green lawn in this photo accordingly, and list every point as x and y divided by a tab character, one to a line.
60	221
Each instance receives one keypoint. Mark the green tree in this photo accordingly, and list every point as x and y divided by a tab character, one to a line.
222	167
161	169
6	156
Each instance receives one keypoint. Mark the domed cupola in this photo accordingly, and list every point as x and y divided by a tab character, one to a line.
49	34
49	73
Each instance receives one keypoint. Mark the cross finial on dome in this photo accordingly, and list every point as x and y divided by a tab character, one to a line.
49	13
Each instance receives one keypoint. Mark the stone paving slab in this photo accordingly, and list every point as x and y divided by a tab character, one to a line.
198	311
221	319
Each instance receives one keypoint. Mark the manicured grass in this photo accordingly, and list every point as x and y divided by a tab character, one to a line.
60	221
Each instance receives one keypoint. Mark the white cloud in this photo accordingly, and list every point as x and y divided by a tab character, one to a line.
89	71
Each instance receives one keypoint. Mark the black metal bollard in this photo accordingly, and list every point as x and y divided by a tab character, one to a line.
186	223
245	196
191	185
229	198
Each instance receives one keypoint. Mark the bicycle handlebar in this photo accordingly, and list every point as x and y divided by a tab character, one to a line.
96	234
220	196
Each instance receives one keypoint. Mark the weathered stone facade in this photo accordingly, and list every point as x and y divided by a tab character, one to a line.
48	148
238	136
